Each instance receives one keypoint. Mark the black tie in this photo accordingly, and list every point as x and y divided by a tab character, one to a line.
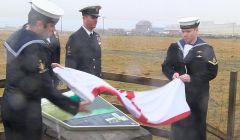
91	35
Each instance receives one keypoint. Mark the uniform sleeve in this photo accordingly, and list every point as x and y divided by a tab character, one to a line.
57	98
211	67
37	82
58	51
70	57
55	45
56	55
168	64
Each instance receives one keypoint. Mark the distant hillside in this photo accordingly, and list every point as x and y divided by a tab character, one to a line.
209	27
8	28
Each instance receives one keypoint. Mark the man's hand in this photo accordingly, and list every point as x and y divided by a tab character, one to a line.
82	106
185	78
54	65
175	75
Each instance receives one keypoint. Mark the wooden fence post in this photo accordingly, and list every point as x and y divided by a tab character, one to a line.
232	105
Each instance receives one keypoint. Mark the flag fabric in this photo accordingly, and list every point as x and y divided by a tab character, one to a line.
160	106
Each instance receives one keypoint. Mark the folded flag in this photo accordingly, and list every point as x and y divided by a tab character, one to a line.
160	106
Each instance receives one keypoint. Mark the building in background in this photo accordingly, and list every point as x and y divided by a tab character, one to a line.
143	27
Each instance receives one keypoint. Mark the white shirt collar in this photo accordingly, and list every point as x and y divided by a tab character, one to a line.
186	49
48	39
88	32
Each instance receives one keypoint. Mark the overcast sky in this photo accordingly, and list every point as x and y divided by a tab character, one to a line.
125	13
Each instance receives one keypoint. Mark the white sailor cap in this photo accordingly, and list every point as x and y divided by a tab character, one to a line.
92	10
189	22
47	8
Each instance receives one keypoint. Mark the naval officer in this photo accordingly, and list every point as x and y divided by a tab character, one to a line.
55	49
83	49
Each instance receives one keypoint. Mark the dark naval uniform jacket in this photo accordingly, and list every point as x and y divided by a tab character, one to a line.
84	52
55	49
28	79
201	64
54	44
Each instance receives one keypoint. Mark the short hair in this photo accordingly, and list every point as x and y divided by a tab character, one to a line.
34	16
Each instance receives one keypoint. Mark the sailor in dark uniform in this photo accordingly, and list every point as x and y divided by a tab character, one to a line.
83	49
28	75
192	60
54	46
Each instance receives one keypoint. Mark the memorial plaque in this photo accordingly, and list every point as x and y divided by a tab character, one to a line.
102	115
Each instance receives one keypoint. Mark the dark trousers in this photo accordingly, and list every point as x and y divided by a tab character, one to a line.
187	129
194	126
21	120
15	131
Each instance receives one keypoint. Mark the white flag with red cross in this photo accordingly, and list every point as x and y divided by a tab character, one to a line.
161	106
